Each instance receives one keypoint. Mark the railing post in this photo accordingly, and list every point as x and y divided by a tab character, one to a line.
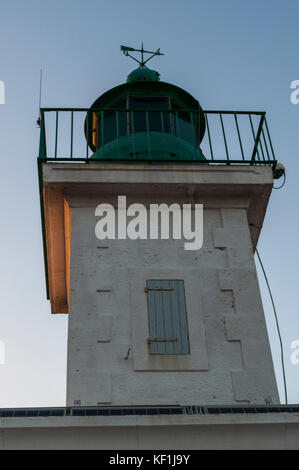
102	133
133	132
194	133
56	134
72	132
258	136
117	131
148	133
239	136
42	138
42	212
163	131
87	133
209	136
270	141
177	132
265	144
224	137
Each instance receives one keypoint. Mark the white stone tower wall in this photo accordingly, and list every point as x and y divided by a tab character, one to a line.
108	358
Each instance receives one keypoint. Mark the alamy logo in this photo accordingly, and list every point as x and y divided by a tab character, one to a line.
153	222
295	353
2	92
2	353
294	97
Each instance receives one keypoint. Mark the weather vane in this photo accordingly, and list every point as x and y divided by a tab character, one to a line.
141	62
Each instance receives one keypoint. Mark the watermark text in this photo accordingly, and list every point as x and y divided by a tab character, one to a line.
2	92
2	352
294	97
295	353
158	221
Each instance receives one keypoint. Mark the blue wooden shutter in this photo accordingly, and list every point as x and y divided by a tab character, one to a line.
167	316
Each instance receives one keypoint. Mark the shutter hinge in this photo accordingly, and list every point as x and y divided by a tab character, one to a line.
162	340
157	289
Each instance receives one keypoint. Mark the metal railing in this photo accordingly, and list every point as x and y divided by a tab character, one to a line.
231	137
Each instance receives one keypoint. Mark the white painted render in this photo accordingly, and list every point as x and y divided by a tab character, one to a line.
108	358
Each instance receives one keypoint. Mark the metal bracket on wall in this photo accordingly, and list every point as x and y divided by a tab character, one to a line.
162	340
157	289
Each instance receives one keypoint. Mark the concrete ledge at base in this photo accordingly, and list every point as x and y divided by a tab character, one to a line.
264	431
166	420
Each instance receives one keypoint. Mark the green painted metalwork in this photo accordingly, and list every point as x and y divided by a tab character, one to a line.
239	136
119	98
42	137
265	144
143	75
268	134
209	136
56	134
148	121
255	150
142	51
224	138
167	144
87	133
149	140
258	136
72	132
42	211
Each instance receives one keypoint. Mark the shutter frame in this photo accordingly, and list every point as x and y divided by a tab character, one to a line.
167	317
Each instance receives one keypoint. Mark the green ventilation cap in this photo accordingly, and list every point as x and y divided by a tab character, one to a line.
143	74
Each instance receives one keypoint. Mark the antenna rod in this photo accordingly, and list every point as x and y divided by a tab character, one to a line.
40	97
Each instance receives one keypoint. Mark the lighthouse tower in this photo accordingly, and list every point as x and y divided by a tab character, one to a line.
152	323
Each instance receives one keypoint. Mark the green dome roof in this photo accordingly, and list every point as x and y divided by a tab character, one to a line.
143	74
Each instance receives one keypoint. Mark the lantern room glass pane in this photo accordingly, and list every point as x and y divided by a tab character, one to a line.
133	114
186	130
182	124
157	122
112	124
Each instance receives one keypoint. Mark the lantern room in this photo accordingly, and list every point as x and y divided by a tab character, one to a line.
145	119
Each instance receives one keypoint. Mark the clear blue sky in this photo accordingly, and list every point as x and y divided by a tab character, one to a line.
229	55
